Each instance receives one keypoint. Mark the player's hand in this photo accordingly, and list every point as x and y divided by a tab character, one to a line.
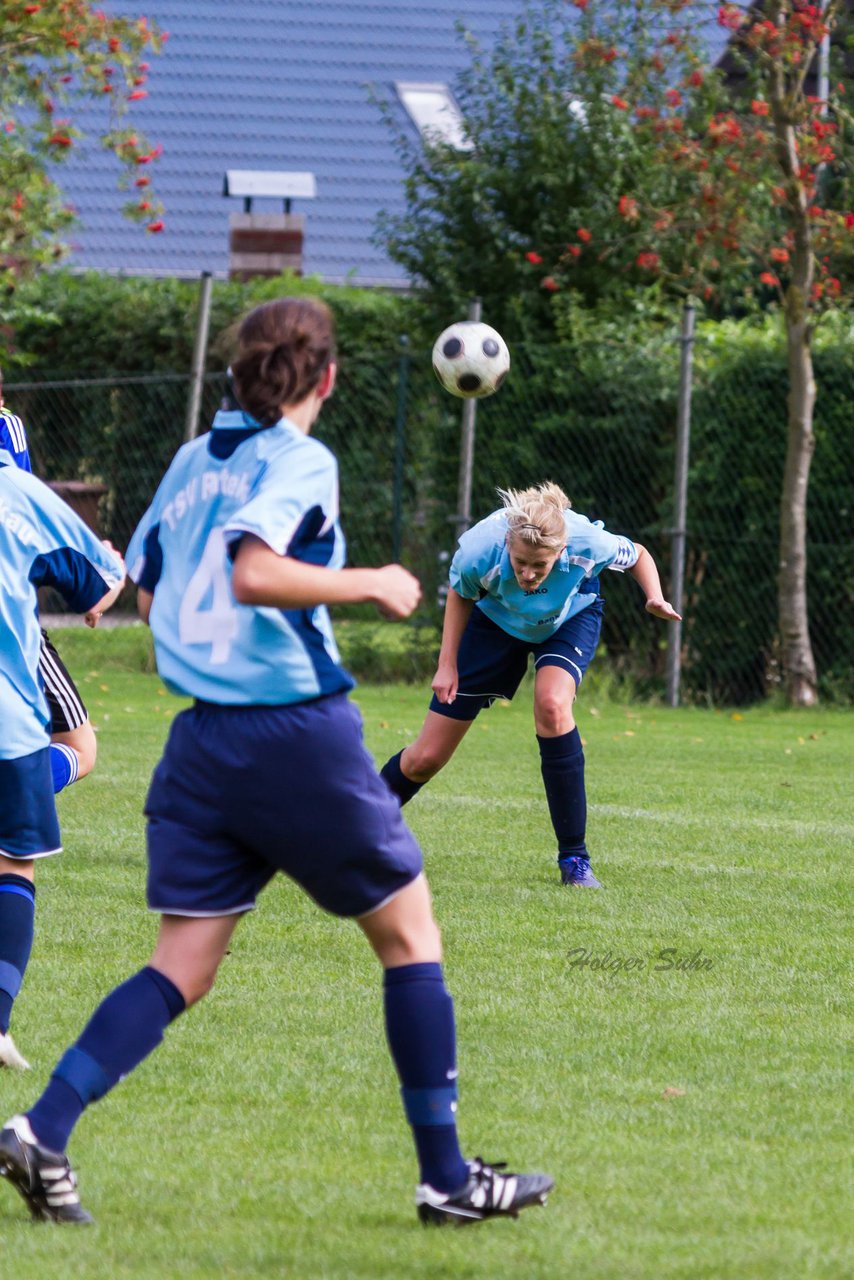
93	617
663	609
446	682
398	592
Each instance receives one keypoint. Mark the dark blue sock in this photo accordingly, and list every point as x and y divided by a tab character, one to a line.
122	1031
64	765
17	913
419	1019
404	788
562	764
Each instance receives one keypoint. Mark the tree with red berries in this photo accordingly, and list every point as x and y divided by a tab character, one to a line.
610	152
56	56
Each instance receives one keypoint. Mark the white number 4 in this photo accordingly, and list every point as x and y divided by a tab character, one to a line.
216	624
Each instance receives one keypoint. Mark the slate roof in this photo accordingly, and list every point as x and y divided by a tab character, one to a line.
272	84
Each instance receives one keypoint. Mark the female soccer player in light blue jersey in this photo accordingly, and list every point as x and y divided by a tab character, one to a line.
73	743
42	543
525	581
236	560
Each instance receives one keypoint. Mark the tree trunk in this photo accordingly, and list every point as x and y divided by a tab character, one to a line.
799	673
799	676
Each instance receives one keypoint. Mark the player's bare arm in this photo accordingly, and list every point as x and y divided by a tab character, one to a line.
144	601
457	613
93	616
645	574
262	577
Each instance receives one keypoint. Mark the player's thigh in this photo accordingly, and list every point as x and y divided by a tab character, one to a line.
403	930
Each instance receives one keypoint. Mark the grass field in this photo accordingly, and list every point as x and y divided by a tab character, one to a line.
694	1118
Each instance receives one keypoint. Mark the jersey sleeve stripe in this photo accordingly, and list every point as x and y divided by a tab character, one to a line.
627	555
15	427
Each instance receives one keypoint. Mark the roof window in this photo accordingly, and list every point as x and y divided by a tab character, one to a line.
435	113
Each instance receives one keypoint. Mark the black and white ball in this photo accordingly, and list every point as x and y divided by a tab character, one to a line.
470	359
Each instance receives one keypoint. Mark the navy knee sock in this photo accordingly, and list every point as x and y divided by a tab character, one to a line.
122	1031
562	764
17	913
419	1018
404	788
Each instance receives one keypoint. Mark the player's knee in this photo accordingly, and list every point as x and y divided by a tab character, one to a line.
421	763
194	987
554	715
416	943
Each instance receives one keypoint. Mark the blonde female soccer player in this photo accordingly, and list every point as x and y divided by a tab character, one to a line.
235	560
525	581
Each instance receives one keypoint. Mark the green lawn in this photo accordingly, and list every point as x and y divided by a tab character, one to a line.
694	1119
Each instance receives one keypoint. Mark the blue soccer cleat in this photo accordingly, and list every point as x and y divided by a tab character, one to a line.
576	873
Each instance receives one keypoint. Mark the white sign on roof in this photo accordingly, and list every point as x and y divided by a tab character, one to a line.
277	184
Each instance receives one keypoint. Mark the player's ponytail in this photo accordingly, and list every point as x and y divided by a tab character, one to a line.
536	515
284	348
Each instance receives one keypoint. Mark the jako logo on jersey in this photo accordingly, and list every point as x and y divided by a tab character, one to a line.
537	591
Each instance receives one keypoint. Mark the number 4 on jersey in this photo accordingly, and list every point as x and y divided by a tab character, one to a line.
215	624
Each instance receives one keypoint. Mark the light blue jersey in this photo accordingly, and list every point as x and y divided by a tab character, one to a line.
13	438
42	543
279	485
481	570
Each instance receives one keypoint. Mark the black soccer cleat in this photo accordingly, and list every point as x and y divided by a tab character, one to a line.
487	1194
44	1178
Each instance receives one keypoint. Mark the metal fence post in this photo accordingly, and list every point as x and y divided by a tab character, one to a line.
680	503
197	372
462	520
399	448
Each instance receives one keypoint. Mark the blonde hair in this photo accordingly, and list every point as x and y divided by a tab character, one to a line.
536	515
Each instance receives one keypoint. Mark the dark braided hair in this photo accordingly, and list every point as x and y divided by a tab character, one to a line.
284	348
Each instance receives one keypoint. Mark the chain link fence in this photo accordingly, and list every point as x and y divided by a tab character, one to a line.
598	418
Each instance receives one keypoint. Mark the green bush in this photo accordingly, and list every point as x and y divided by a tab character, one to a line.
376	652
93	325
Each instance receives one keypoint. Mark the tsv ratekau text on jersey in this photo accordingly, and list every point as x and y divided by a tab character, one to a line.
210	484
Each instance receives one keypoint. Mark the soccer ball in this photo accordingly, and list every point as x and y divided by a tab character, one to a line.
470	359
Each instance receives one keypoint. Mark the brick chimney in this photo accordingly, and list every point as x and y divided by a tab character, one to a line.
266	244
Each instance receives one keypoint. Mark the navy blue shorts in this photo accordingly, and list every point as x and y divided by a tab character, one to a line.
29	827
491	663
244	792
